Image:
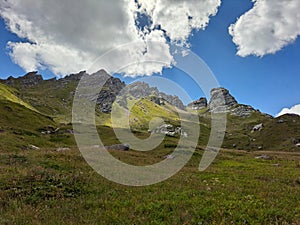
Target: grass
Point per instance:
(49, 187)
(9, 94)
(21, 127)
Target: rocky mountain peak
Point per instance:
(74, 77)
(140, 90)
(28, 80)
(198, 104)
(221, 100)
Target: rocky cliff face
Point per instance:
(140, 90)
(221, 100)
(198, 104)
(110, 90)
(29, 80)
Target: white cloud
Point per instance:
(293, 110)
(179, 17)
(267, 28)
(67, 36)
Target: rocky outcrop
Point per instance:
(109, 93)
(198, 104)
(29, 80)
(139, 90)
(111, 88)
(221, 100)
(242, 111)
(169, 130)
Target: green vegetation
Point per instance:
(9, 94)
(49, 187)
(21, 127)
(41, 185)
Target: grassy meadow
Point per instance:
(50, 187)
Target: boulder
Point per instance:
(169, 130)
(265, 157)
(33, 147)
(258, 127)
(63, 149)
(119, 147)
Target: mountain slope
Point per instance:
(8, 94)
(26, 96)
(281, 133)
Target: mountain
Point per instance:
(20, 123)
(34, 106)
(248, 128)
(140, 90)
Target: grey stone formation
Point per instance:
(29, 80)
(111, 87)
(242, 110)
(169, 130)
(258, 127)
(221, 100)
(140, 90)
(198, 104)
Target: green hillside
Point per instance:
(9, 94)
(45, 180)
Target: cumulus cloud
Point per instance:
(178, 17)
(67, 36)
(293, 110)
(267, 27)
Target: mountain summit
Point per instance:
(221, 101)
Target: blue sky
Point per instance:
(268, 83)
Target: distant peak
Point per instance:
(221, 99)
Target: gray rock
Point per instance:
(169, 130)
(33, 147)
(63, 149)
(119, 147)
(265, 157)
(221, 100)
(258, 127)
(242, 111)
(29, 80)
(198, 104)
(170, 157)
(140, 90)
(111, 87)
